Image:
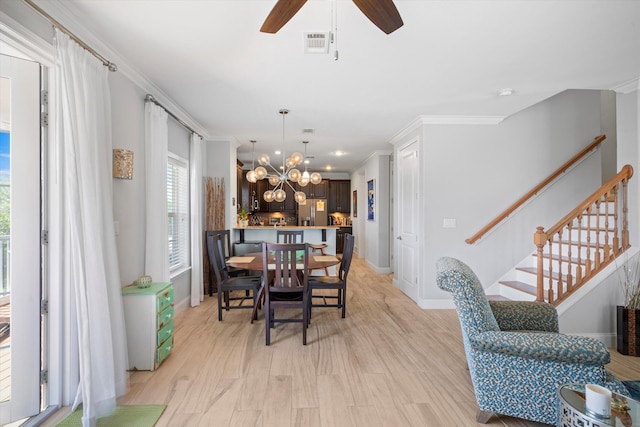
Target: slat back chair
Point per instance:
(289, 288)
(228, 252)
(290, 236)
(318, 285)
(228, 284)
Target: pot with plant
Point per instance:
(628, 315)
(243, 216)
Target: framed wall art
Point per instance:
(355, 203)
(371, 196)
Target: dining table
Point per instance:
(253, 262)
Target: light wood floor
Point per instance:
(389, 363)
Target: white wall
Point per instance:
(127, 115)
(373, 237)
(473, 172)
(221, 163)
(127, 101)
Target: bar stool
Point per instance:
(320, 248)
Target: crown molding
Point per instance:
(461, 120)
(63, 14)
(628, 86)
(22, 39)
(420, 121)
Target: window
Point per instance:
(178, 210)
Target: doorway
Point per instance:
(21, 320)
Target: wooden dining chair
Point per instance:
(289, 288)
(319, 285)
(228, 252)
(227, 284)
(290, 236)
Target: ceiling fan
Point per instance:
(382, 13)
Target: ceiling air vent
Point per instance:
(308, 130)
(316, 42)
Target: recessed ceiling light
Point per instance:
(278, 152)
(306, 161)
(328, 168)
(339, 153)
(506, 92)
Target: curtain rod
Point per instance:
(106, 62)
(150, 98)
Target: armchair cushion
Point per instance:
(525, 316)
(543, 346)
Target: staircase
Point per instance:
(574, 250)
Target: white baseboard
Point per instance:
(181, 306)
(436, 304)
(378, 270)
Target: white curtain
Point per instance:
(156, 262)
(91, 274)
(197, 229)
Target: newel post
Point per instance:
(540, 239)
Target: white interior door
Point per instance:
(408, 225)
(20, 207)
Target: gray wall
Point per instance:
(473, 172)
(373, 237)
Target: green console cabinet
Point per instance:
(148, 316)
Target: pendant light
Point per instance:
(288, 173)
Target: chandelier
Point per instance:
(287, 174)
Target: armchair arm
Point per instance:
(543, 346)
(525, 316)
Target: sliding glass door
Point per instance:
(20, 241)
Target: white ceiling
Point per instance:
(449, 59)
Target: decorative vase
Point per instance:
(628, 331)
(244, 223)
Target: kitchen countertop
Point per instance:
(289, 227)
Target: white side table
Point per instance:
(625, 412)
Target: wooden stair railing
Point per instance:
(585, 241)
(562, 169)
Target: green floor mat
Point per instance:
(122, 416)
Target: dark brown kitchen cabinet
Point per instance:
(340, 232)
(261, 187)
(315, 191)
(242, 196)
(340, 196)
(289, 203)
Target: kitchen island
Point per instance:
(249, 239)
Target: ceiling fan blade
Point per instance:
(281, 13)
(382, 13)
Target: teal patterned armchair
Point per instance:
(516, 357)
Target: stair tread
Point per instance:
(583, 244)
(554, 257)
(545, 273)
(520, 286)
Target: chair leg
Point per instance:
(219, 305)
(267, 321)
(343, 299)
(211, 283)
(483, 417)
(305, 320)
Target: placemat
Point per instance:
(241, 259)
(322, 258)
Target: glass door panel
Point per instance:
(20, 255)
